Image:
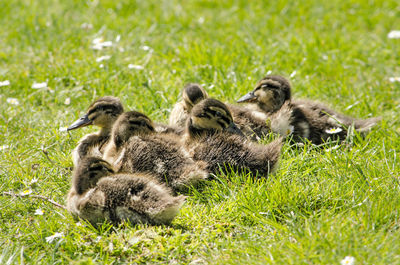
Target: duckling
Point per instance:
(211, 137)
(102, 113)
(98, 194)
(192, 93)
(136, 147)
(304, 119)
(251, 125)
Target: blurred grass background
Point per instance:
(318, 208)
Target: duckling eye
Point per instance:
(96, 168)
(219, 114)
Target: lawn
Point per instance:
(319, 207)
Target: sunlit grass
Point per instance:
(322, 204)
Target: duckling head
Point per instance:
(210, 116)
(193, 94)
(270, 93)
(129, 124)
(88, 172)
(102, 113)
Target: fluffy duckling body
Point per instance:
(252, 126)
(136, 147)
(209, 138)
(101, 113)
(98, 194)
(303, 119)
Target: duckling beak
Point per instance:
(248, 97)
(232, 128)
(81, 122)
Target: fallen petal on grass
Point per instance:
(50, 239)
(39, 85)
(135, 66)
(103, 58)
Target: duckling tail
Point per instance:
(364, 126)
(273, 153)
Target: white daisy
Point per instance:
(39, 212)
(394, 79)
(334, 130)
(5, 83)
(50, 239)
(290, 130)
(13, 101)
(394, 34)
(25, 192)
(99, 43)
(348, 260)
(67, 101)
(135, 66)
(39, 85)
(33, 181)
(4, 147)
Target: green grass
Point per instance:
(319, 207)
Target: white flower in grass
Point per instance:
(334, 130)
(63, 129)
(293, 74)
(103, 58)
(39, 85)
(118, 38)
(101, 65)
(290, 130)
(348, 260)
(86, 26)
(394, 34)
(394, 79)
(4, 147)
(39, 212)
(201, 20)
(33, 181)
(50, 239)
(269, 72)
(67, 101)
(146, 48)
(5, 83)
(13, 101)
(99, 43)
(25, 192)
(135, 66)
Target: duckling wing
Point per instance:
(221, 150)
(251, 125)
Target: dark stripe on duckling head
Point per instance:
(277, 82)
(194, 93)
(88, 172)
(129, 124)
